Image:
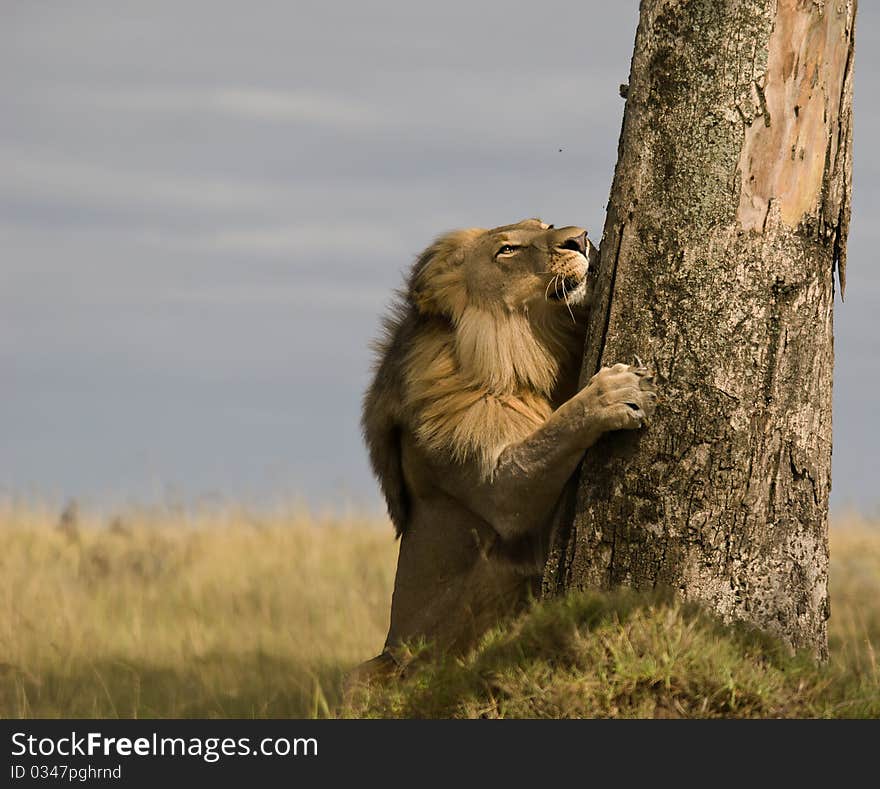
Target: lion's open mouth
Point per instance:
(570, 289)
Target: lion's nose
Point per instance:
(575, 242)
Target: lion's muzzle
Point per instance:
(569, 263)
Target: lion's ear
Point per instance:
(437, 283)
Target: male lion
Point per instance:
(474, 424)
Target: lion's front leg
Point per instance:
(529, 476)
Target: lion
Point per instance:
(474, 424)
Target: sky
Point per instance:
(205, 206)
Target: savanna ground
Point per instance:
(230, 614)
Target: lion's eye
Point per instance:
(507, 249)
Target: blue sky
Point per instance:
(204, 207)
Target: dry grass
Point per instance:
(173, 615)
(227, 614)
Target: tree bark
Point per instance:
(728, 215)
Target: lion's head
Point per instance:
(528, 268)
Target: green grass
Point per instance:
(624, 655)
(227, 614)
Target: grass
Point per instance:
(228, 614)
(174, 615)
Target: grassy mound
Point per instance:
(623, 655)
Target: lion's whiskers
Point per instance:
(565, 299)
(557, 280)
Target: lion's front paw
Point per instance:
(625, 396)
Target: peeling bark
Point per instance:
(728, 214)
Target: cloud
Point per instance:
(304, 296)
(284, 106)
(46, 173)
(260, 103)
(341, 249)
(349, 238)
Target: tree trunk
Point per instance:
(728, 214)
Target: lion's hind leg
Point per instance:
(378, 671)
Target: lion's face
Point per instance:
(527, 266)
(519, 265)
